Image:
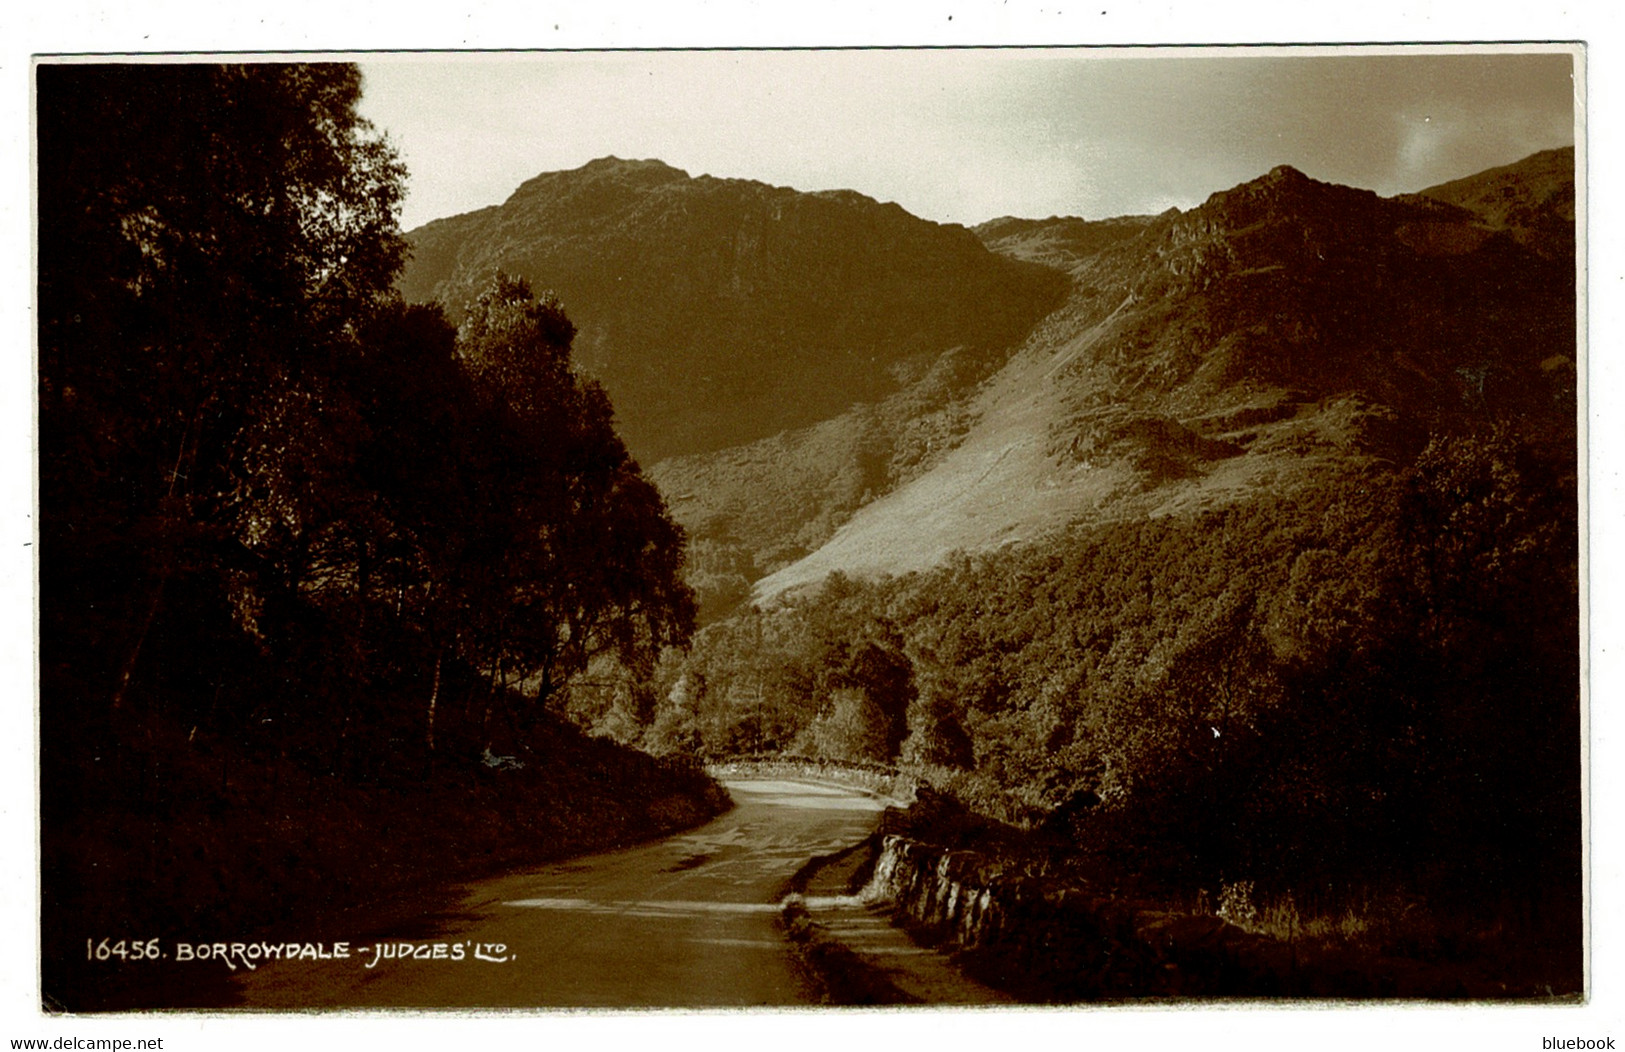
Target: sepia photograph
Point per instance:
(988, 527)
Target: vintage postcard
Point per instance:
(689, 529)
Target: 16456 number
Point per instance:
(123, 949)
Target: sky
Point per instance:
(965, 135)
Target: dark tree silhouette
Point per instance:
(209, 237)
(253, 453)
(590, 562)
(299, 541)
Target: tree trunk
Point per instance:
(134, 657)
(434, 696)
(127, 671)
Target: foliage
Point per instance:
(281, 510)
(186, 337)
(1374, 679)
(591, 562)
(254, 458)
(827, 680)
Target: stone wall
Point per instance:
(1044, 940)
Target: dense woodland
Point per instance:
(1376, 682)
(294, 532)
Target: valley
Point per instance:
(1203, 585)
(1197, 358)
(1218, 563)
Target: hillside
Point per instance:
(756, 508)
(1245, 347)
(1063, 242)
(1533, 200)
(984, 388)
(720, 311)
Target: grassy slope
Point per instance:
(1016, 476)
(1224, 352)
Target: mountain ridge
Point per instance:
(1283, 327)
(721, 311)
(1137, 366)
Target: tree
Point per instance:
(939, 736)
(1492, 560)
(589, 561)
(210, 236)
(853, 728)
(291, 529)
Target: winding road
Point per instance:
(689, 921)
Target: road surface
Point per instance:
(685, 922)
